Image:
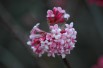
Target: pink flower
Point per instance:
(99, 63)
(57, 42)
(57, 15)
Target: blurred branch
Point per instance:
(6, 20)
(98, 21)
(9, 28)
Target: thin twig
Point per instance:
(66, 63)
(9, 28)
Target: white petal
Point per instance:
(32, 36)
(57, 36)
(66, 16)
(29, 42)
(40, 55)
(52, 15)
(56, 26)
(53, 35)
(59, 30)
(71, 24)
(59, 8)
(74, 36)
(62, 11)
(53, 31)
(49, 43)
(69, 35)
(70, 31)
(67, 25)
(41, 42)
(46, 41)
(53, 55)
(75, 32)
(72, 44)
(62, 50)
(62, 41)
(36, 25)
(34, 49)
(65, 34)
(46, 47)
(63, 55)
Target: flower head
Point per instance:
(57, 15)
(57, 42)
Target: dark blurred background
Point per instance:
(17, 17)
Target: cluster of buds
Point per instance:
(57, 15)
(56, 42)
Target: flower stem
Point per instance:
(66, 63)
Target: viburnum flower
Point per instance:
(99, 63)
(57, 15)
(59, 41)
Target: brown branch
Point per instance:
(66, 63)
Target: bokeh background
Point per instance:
(17, 17)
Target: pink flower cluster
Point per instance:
(57, 15)
(99, 63)
(58, 41)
